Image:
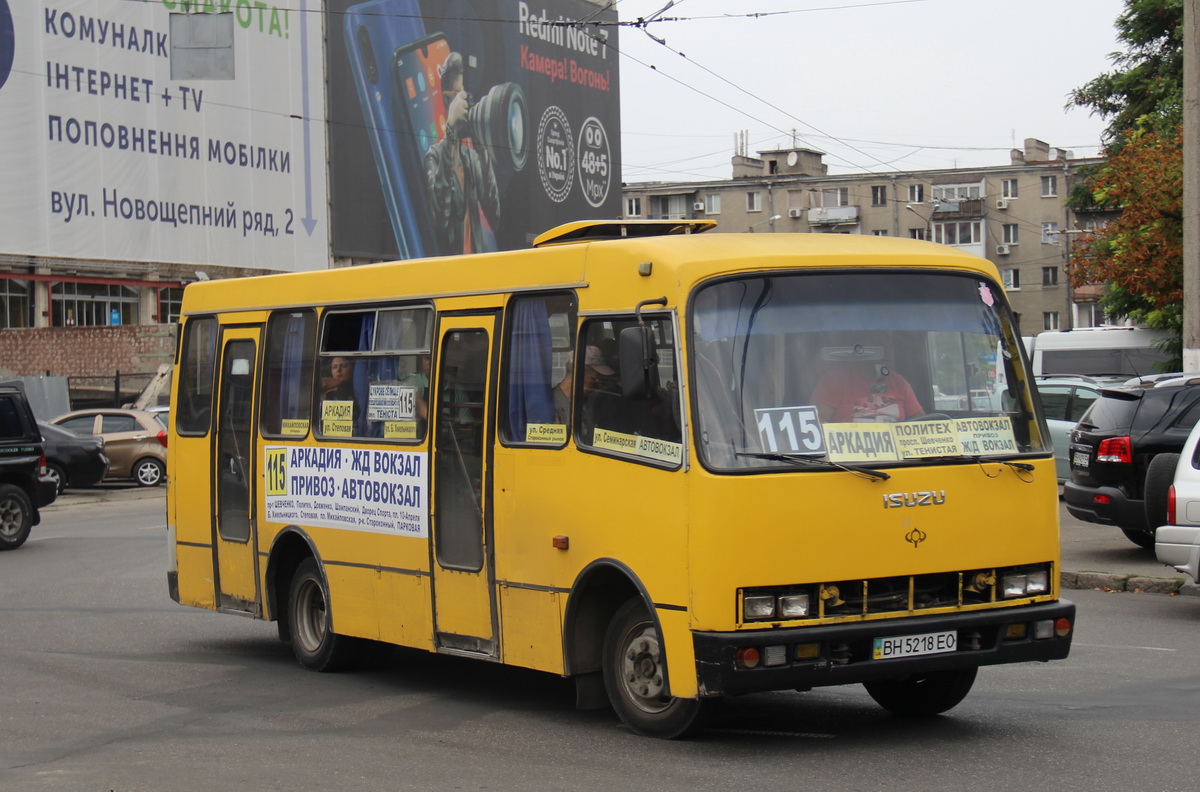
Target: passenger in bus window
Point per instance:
(562, 396)
(339, 385)
(861, 386)
(602, 401)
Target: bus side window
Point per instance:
(194, 409)
(373, 375)
(539, 355)
(610, 421)
(288, 373)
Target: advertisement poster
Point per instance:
(465, 126)
(189, 131)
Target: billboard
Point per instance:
(183, 131)
(462, 126)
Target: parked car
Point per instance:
(24, 486)
(1177, 541)
(1064, 401)
(1117, 475)
(73, 460)
(134, 441)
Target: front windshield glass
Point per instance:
(870, 368)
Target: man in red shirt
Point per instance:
(862, 388)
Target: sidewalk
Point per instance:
(1100, 557)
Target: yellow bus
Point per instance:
(674, 466)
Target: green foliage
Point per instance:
(1146, 87)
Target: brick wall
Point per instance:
(86, 351)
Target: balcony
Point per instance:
(958, 210)
(833, 215)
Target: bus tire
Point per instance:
(634, 676)
(314, 643)
(923, 695)
(16, 516)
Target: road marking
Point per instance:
(1109, 646)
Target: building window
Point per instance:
(1012, 278)
(1049, 233)
(753, 202)
(712, 203)
(879, 195)
(916, 193)
(880, 233)
(633, 207)
(93, 305)
(836, 196)
(1011, 233)
(1008, 188)
(1050, 320)
(169, 303)
(1049, 276)
(1088, 315)
(917, 233)
(1049, 186)
(961, 233)
(14, 303)
(957, 192)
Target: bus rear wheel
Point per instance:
(923, 695)
(635, 678)
(314, 643)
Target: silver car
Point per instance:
(1064, 400)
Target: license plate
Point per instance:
(1080, 459)
(913, 645)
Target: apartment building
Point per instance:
(1014, 215)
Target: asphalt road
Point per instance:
(108, 685)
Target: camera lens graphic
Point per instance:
(7, 42)
(500, 121)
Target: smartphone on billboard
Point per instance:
(420, 113)
(374, 31)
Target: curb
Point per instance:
(1137, 584)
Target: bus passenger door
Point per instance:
(464, 602)
(235, 559)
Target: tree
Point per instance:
(1146, 89)
(1140, 255)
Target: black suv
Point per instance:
(1123, 454)
(24, 485)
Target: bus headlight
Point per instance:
(1027, 582)
(759, 607)
(793, 606)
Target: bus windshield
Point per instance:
(879, 367)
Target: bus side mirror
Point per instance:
(638, 357)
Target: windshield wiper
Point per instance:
(1020, 467)
(795, 459)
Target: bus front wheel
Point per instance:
(923, 695)
(635, 677)
(316, 646)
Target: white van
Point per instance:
(1097, 352)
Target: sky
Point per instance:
(882, 86)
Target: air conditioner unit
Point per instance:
(795, 212)
(1002, 250)
(1002, 204)
(698, 206)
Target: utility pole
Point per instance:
(1191, 186)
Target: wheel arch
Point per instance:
(289, 548)
(599, 590)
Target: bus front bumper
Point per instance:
(844, 653)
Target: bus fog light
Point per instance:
(808, 651)
(1013, 586)
(774, 655)
(1014, 632)
(1037, 583)
(759, 607)
(793, 606)
(1043, 629)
